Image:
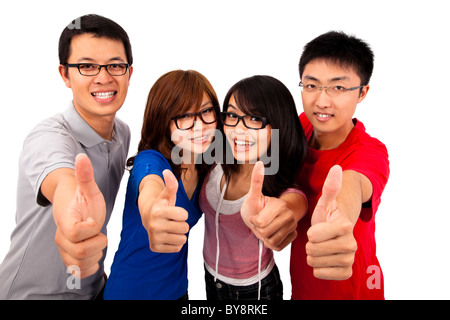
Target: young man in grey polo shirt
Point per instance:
(64, 198)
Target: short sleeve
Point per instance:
(44, 151)
(147, 162)
(371, 160)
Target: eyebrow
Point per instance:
(93, 60)
(335, 79)
(206, 103)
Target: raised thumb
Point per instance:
(327, 202)
(170, 191)
(257, 181)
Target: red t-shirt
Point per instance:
(368, 156)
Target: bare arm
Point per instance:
(79, 212)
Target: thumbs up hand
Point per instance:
(78, 236)
(327, 204)
(269, 218)
(165, 223)
(331, 247)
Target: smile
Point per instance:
(323, 116)
(242, 145)
(104, 95)
(201, 139)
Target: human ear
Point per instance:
(63, 71)
(363, 93)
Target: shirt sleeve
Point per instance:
(371, 160)
(147, 162)
(43, 152)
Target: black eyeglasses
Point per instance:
(231, 119)
(186, 121)
(92, 69)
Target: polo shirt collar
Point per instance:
(82, 131)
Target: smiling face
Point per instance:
(331, 116)
(247, 145)
(99, 96)
(197, 139)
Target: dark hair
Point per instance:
(342, 49)
(172, 94)
(268, 97)
(100, 27)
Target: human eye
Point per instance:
(254, 122)
(310, 86)
(185, 116)
(255, 118)
(208, 111)
(231, 115)
(339, 88)
(116, 66)
(88, 67)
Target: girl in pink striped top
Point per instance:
(249, 213)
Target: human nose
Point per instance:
(240, 126)
(198, 123)
(323, 99)
(103, 76)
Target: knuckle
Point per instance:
(310, 261)
(347, 227)
(347, 273)
(347, 260)
(310, 249)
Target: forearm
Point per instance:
(59, 188)
(356, 189)
(149, 190)
(296, 202)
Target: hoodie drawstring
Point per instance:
(260, 243)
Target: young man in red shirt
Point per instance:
(334, 254)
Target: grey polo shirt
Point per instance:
(33, 268)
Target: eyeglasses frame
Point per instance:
(195, 114)
(241, 118)
(100, 66)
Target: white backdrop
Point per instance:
(407, 106)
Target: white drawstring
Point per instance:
(259, 268)
(219, 205)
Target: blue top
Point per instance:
(137, 272)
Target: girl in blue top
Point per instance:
(183, 111)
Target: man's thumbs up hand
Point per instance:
(327, 203)
(78, 236)
(331, 247)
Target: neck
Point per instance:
(103, 125)
(244, 174)
(329, 140)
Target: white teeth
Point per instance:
(199, 138)
(320, 115)
(104, 95)
(243, 143)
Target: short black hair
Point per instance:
(269, 97)
(342, 49)
(100, 27)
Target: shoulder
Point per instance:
(122, 128)
(151, 156)
(50, 138)
(364, 143)
(149, 162)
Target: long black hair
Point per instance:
(268, 97)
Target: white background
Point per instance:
(407, 106)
